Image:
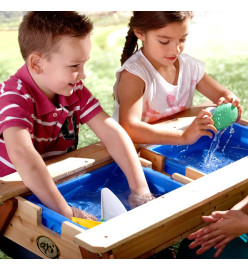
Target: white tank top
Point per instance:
(162, 99)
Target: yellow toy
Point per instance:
(86, 222)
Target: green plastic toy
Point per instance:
(224, 115)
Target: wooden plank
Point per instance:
(181, 178)
(177, 228)
(7, 210)
(220, 186)
(59, 168)
(90, 255)
(69, 230)
(25, 228)
(145, 163)
(156, 159)
(193, 173)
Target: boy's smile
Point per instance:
(59, 73)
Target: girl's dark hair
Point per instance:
(40, 31)
(149, 20)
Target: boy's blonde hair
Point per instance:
(40, 31)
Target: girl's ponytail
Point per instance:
(131, 46)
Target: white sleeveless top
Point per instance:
(162, 99)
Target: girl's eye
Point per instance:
(74, 66)
(182, 40)
(164, 43)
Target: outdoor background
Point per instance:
(218, 38)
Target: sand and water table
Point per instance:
(180, 202)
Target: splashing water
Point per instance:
(231, 133)
(215, 145)
(207, 155)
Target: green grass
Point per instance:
(233, 74)
(3, 255)
(10, 58)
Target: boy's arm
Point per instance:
(32, 169)
(121, 148)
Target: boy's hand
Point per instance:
(235, 102)
(199, 127)
(136, 200)
(82, 214)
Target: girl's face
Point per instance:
(65, 67)
(163, 46)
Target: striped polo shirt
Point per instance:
(54, 130)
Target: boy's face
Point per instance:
(65, 67)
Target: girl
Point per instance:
(157, 80)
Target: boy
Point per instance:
(42, 105)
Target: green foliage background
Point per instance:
(108, 37)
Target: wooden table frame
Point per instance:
(139, 233)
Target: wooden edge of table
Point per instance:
(187, 199)
(60, 168)
(181, 178)
(26, 227)
(7, 210)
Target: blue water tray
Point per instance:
(84, 192)
(230, 145)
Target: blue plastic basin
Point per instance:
(84, 192)
(232, 147)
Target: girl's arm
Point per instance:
(217, 93)
(33, 171)
(130, 98)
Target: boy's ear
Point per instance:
(35, 62)
(139, 34)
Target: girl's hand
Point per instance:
(199, 127)
(224, 227)
(235, 102)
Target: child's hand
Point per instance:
(235, 102)
(199, 127)
(82, 214)
(224, 227)
(136, 200)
